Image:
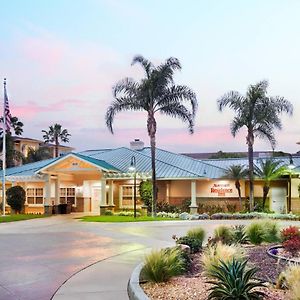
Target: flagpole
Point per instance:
(4, 153)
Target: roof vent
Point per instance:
(137, 145)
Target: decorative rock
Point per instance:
(184, 216)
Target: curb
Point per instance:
(135, 292)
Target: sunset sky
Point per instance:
(62, 57)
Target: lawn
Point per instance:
(20, 217)
(123, 219)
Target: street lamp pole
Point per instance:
(133, 168)
(291, 166)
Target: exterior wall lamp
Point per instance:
(132, 168)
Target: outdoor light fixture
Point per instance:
(132, 168)
(291, 164)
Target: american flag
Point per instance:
(6, 110)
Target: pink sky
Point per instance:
(53, 77)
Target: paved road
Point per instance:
(39, 256)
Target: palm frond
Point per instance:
(119, 105)
(233, 100)
(127, 87)
(147, 65)
(179, 111)
(178, 94)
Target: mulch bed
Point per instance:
(193, 286)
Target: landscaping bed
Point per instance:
(194, 286)
(235, 258)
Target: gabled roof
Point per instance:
(168, 165)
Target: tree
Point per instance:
(154, 93)
(56, 134)
(237, 172)
(259, 114)
(145, 190)
(269, 170)
(221, 154)
(12, 155)
(16, 198)
(37, 155)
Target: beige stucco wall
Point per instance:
(206, 188)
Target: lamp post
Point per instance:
(133, 169)
(291, 166)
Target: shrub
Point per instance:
(185, 205)
(263, 231)
(145, 190)
(166, 207)
(16, 198)
(214, 254)
(239, 235)
(160, 266)
(223, 234)
(271, 231)
(127, 213)
(292, 245)
(194, 243)
(290, 279)
(197, 233)
(289, 232)
(234, 281)
(231, 207)
(108, 213)
(209, 209)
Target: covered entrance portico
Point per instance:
(73, 184)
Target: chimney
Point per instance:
(137, 145)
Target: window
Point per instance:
(127, 195)
(35, 196)
(67, 196)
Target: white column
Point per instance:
(111, 193)
(193, 206)
(48, 190)
(103, 192)
(57, 191)
(25, 188)
(168, 192)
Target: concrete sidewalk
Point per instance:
(104, 280)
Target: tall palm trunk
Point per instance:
(238, 187)
(250, 141)
(265, 194)
(56, 146)
(151, 125)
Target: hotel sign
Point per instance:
(221, 189)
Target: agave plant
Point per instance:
(233, 281)
(239, 234)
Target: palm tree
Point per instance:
(156, 92)
(269, 170)
(12, 155)
(259, 114)
(236, 172)
(56, 134)
(37, 154)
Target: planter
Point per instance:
(279, 257)
(135, 292)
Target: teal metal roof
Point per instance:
(100, 163)
(225, 163)
(168, 165)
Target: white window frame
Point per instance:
(128, 197)
(35, 196)
(66, 194)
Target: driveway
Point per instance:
(39, 256)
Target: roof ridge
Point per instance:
(191, 158)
